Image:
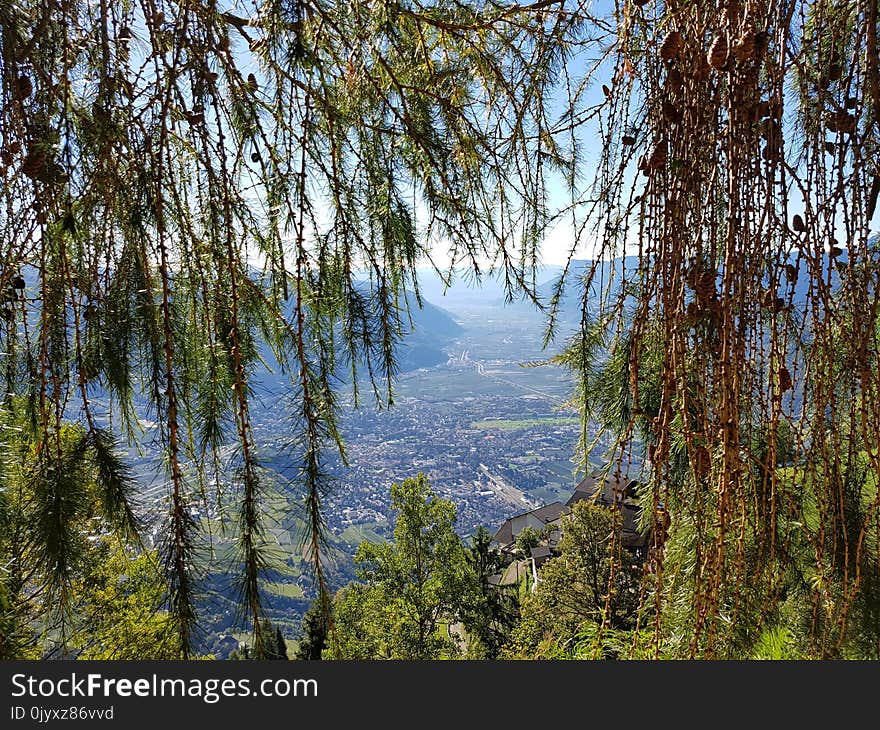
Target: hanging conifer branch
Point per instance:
(183, 186)
(747, 335)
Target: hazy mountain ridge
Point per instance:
(433, 328)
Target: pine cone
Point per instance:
(784, 379)
(34, 163)
(702, 69)
(658, 156)
(23, 87)
(671, 112)
(704, 285)
(762, 109)
(841, 122)
(674, 80)
(671, 46)
(702, 460)
(718, 53)
(745, 48)
(771, 152)
(761, 42)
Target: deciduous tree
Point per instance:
(411, 586)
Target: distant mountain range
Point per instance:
(612, 272)
(463, 290)
(428, 330)
(603, 273)
(432, 329)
